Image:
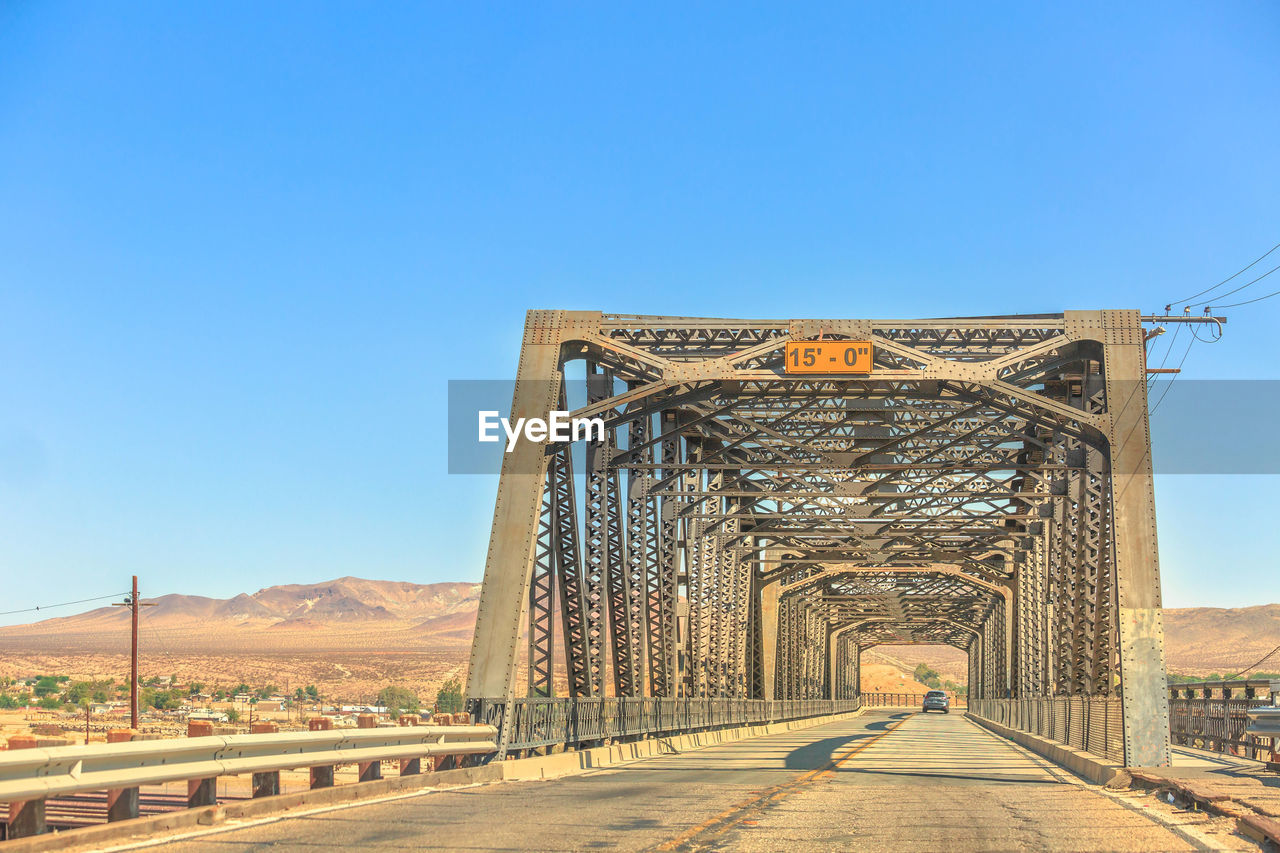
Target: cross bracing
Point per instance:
(746, 532)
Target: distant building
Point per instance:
(242, 698)
(211, 716)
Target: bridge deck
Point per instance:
(889, 779)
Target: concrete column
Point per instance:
(410, 766)
(122, 803)
(201, 792)
(26, 818)
(265, 784)
(322, 775)
(370, 771)
(441, 762)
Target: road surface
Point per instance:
(887, 780)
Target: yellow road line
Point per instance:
(732, 816)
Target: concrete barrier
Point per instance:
(567, 763)
(1084, 764)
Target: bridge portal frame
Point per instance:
(629, 571)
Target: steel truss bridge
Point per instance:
(743, 533)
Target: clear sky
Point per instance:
(243, 247)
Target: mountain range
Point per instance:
(331, 615)
(364, 615)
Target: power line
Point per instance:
(1212, 339)
(1169, 349)
(1225, 280)
(63, 604)
(1251, 301)
(1187, 352)
(1237, 290)
(1255, 666)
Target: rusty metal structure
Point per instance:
(746, 533)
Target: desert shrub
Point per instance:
(398, 699)
(449, 697)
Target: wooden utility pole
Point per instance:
(133, 604)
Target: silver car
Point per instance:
(936, 700)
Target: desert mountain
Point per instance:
(344, 613)
(355, 614)
(1201, 640)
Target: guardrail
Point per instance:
(1264, 727)
(1091, 723)
(543, 722)
(904, 700)
(28, 777)
(1214, 715)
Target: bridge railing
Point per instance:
(903, 700)
(1213, 715)
(1090, 723)
(542, 722)
(30, 776)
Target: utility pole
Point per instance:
(133, 604)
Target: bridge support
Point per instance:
(769, 639)
(1143, 686)
(515, 519)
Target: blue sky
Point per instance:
(244, 247)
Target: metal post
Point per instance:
(133, 655)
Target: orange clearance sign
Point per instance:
(828, 357)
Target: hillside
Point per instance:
(353, 635)
(344, 614)
(1201, 640)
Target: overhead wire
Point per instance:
(1167, 351)
(1236, 290)
(1251, 301)
(62, 604)
(1165, 393)
(1261, 661)
(1227, 279)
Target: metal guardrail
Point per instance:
(541, 722)
(1090, 723)
(27, 774)
(1214, 715)
(30, 776)
(1264, 727)
(892, 700)
(904, 700)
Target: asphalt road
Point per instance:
(887, 780)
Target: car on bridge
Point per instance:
(936, 700)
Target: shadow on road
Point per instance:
(881, 725)
(818, 753)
